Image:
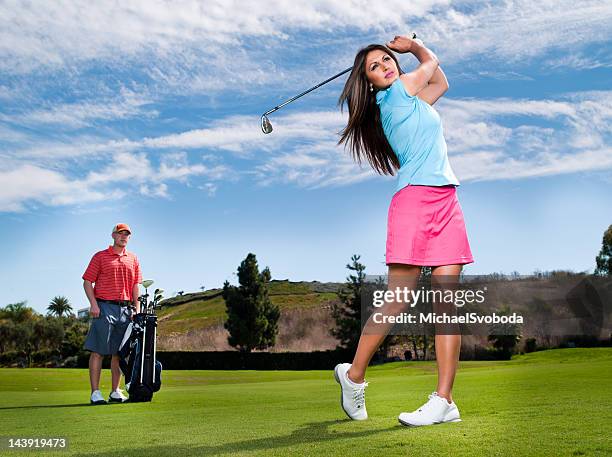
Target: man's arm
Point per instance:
(135, 294)
(94, 310)
(135, 289)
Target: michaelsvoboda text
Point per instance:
(433, 318)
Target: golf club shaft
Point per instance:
(305, 92)
(266, 126)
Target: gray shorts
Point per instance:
(106, 331)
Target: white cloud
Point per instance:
(10, 135)
(78, 146)
(314, 165)
(237, 134)
(483, 166)
(61, 33)
(28, 183)
(210, 188)
(512, 31)
(487, 139)
(6, 93)
(83, 114)
(580, 62)
(160, 190)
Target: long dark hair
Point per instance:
(364, 134)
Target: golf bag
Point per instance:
(137, 358)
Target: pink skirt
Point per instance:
(426, 227)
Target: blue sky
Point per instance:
(148, 113)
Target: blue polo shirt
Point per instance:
(414, 131)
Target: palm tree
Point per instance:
(59, 306)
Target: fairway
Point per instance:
(554, 402)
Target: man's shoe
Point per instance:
(352, 396)
(436, 411)
(97, 398)
(117, 396)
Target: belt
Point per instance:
(116, 302)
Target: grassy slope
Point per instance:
(553, 403)
(201, 311)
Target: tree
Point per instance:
(347, 314)
(252, 319)
(74, 338)
(7, 334)
(17, 312)
(59, 306)
(542, 313)
(47, 333)
(505, 336)
(24, 335)
(604, 259)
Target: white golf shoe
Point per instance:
(116, 396)
(97, 398)
(437, 410)
(352, 396)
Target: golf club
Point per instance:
(266, 125)
(157, 297)
(144, 299)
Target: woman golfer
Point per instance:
(393, 125)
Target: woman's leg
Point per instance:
(399, 276)
(447, 345)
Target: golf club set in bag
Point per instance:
(266, 125)
(137, 352)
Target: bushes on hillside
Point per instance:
(28, 338)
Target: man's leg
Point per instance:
(115, 372)
(95, 368)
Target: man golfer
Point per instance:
(116, 275)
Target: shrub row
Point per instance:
(234, 360)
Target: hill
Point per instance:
(194, 321)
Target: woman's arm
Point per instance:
(418, 79)
(438, 85)
(438, 77)
(428, 81)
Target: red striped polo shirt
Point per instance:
(114, 275)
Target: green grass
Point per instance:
(551, 403)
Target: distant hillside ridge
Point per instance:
(277, 287)
(194, 321)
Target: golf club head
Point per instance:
(266, 126)
(157, 298)
(147, 283)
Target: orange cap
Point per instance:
(119, 227)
